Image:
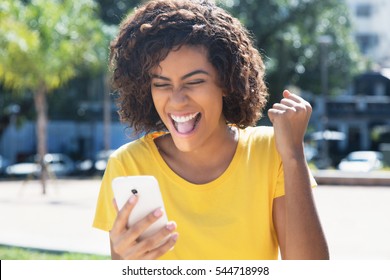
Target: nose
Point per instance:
(179, 96)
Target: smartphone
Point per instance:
(149, 199)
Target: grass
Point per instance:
(386, 168)
(19, 253)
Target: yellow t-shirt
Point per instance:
(228, 218)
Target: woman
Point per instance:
(189, 77)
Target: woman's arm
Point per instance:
(295, 217)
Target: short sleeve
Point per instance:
(105, 213)
(279, 190)
(313, 182)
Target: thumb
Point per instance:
(273, 114)
(286, 93)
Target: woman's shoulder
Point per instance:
(259, 139)
(260, 143)
(258, 134)
(139, 145)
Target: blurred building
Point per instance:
(371, 21)
(362, 114)
(76, 122)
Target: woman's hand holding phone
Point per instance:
(125, 241)
(141, 229)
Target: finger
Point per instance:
(286, 93)
(283, 107)
(115, 205)
(161, 250)
(157, 239)
(128, 239)
(297, 107)
(123, 215)
(138, 250)
(273, 113)
(289, 102)
(154, 241)
(293, 96)
(300, 103)
(138, 228)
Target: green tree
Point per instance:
(288, 33)
(43, 44)
(112, 12)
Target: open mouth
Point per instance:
(186, 124)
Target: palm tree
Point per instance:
(43, 44)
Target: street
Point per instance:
(355, 219)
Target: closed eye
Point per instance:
(195, 82)
(161, 85)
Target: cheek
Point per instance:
(214, 107)
(157, 101)
(217, 100)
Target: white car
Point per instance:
(362, 161)
(101, 160)
(58, 164)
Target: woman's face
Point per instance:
(188, 99)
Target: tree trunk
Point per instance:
(106, 113)
(41, 133)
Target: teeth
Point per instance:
(181, 119)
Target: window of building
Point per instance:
(367, 41)
(364, 10)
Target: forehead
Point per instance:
(183, 60)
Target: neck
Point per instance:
(225, 141)
(204, 164)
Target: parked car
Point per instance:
(58, 164)
(362, 161)
(101, 160)
(85, 167)
(3, 164)
(310, 152)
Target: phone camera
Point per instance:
(134, 191)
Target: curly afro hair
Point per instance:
(148, 34)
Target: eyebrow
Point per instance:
(184, 77)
